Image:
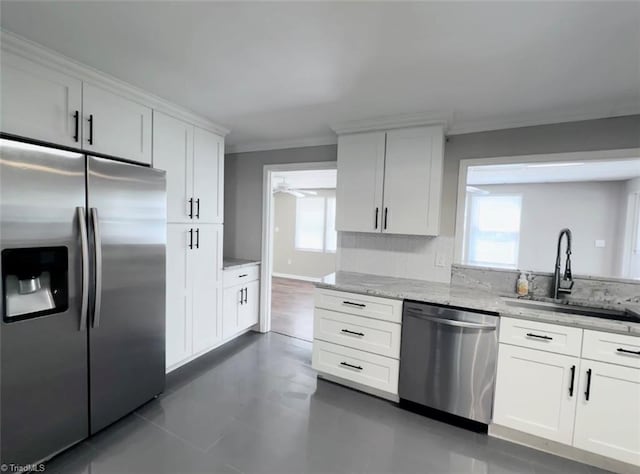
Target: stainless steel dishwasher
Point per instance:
(448, 359)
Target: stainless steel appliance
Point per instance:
(82, 247)
(448, 360)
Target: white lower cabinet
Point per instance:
(194, 291)
(608, 419)
(592, 405)
(356, 338)
(536, 392)
(241, 300)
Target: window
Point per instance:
(315, 224)
(493, 230)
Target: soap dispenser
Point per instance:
(522, 287)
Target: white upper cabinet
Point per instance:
(390, 182)
(208, 176)
(360, 182)
(608, 414)
(115, 126)
(173, 152)
(40, 103)
(413, 181)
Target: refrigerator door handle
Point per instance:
(84, 250)
(97, 243)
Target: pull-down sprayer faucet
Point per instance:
(564, 284)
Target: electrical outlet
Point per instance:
(441, 259)
(600, 244)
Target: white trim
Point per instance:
(492, 125)
(393, 121)
(282, 144)
(626, 153)
(266, 267)
(193, 357)
(296, 277)
(44, 56)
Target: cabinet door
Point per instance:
(208, 176)
(360, 181)
(206, 265)
(231, 311)
(115, 126)
(413, 181)
(250, 307)
(38, 102)
(178, 294)
(608, 423)
(533, 392)
(173, 152)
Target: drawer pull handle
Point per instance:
(537, 336)
(243, 275)
(357, 367)
(573, 378)
(588, 390)
(352, 332)
(627, 351)
(359, 305)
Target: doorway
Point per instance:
(299, 244)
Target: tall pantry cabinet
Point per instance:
(194, 161)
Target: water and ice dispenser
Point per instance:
(35, 282)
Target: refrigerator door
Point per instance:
(127, 214)
(43, 337)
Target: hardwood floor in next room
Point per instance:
(292, 307)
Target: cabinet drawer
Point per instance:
(239, 276)
(357, 366)
(360, 305)
(371, 335)
(543, 336)
(614, 348)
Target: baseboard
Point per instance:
(361, 388)
(205, 351)
(296, 277)
(562, 450)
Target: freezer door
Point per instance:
(127, 213)
(43, 361)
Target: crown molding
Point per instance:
(20, 46)
(393, 121)
(479, 126)
(281, 144)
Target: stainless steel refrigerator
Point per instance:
(82, 337)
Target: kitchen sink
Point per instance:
(595, 312)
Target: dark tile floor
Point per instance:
(255, 406)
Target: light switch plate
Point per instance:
(600, 244)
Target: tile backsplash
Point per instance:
(416, 257)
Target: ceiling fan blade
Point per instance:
(297, 194)
(311, 193)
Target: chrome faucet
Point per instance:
(564, 284)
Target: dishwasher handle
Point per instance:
(453, 322)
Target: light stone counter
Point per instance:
(228, 262)
(465, 297)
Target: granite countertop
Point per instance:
(465, 297)
(229, 262)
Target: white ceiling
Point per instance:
(554, 172)
(307, 179)
(278, 74)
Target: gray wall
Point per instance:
(243, 183)
(243, 194)
(593, 210)
(286, 258)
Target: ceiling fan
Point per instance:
(286, 188)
